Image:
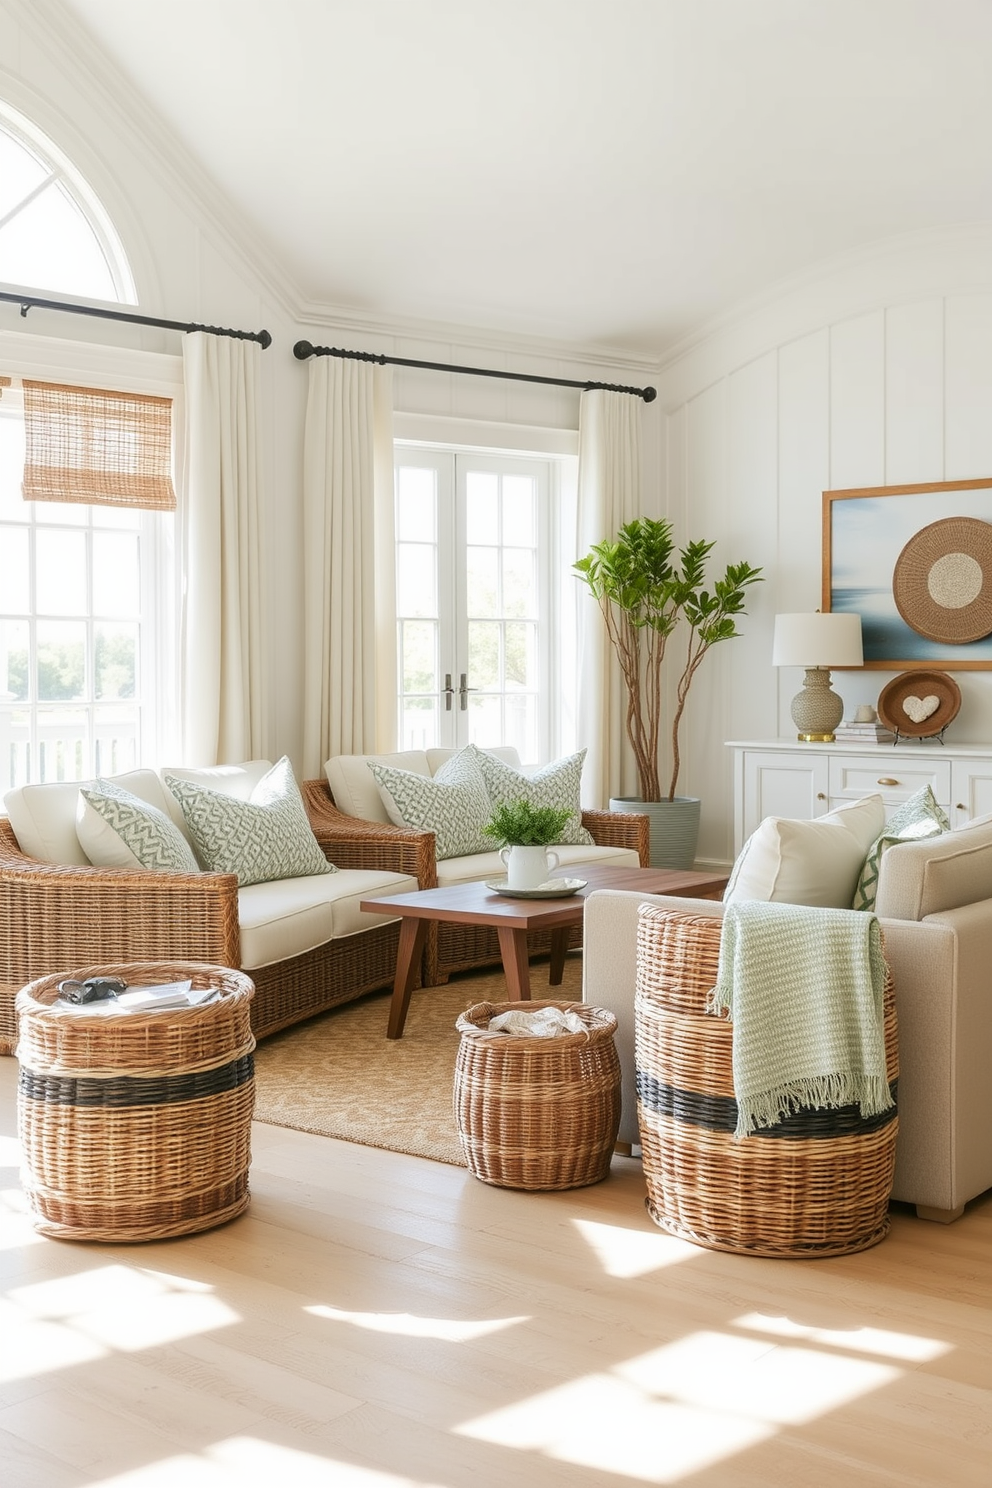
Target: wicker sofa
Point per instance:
(934, 904)
(348, 801)
(304, 942)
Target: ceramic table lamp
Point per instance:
(817, 642)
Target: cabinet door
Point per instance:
(781, 784)
(971, 790)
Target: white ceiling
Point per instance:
(610, 172)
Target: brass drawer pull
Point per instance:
(886, 780)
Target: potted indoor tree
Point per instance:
(647, 591)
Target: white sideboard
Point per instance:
(781, 777)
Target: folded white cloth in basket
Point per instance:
(547, 1022)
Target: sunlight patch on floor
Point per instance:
(682, 1407)
(406, 1325)
(125, 1307)
(626, 1253)
(247, 1462)
(907, 1346)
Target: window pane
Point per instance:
(12, 503)
(115, 660)
(50, 245)
(519, 581)
(485, 721)
(60, 513)
(519, 511)
(481, 507)
(482, 581)
(115, 741)
(116, 574)
(521, 656)
(416, 505)
(62, 743)
(418, 725)
(15, 746)
(419, 656)
(15, 586)
(416, 579)
(20, 173)
(521, 725)
(61, 576)
(61, 660)
(14, 680)
(483, 654)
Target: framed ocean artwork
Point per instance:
(915, 562)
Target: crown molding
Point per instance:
(391, 329)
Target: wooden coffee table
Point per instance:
(513, 919)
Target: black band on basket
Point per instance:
(123, 1091)
(718, 1113)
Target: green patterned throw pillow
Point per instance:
(557, 785)
(262, 839)
(453, 804)
(920, 816)
(119, 830)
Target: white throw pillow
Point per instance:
(556, 785)
(453, 804)
(118, 830)
(807, 862)
(265, 838)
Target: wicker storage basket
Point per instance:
(136, 1126)
(818, 1184)
(537, 1113)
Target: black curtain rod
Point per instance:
(29, 302)
(303, 350)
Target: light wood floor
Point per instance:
(377, 1321)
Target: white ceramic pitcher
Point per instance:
(528, 867)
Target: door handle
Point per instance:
(448, 691)
(464, 690)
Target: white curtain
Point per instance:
(225, 717)
(609, 495)
(349, 627)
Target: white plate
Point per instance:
(555, 888)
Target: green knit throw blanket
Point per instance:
(803, 988)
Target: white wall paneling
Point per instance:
(914, 392)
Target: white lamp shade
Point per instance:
(817, 640)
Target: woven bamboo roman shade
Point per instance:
(98, 447)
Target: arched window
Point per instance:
(54, 234)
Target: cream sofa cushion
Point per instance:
(355, 791)
(291, 916)
(44, 816)
(917, 879)
(807, 862)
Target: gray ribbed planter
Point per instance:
(674, 828)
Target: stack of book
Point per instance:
(863, 733)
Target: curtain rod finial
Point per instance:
(302, 350)
(649, 394)
(264, 340)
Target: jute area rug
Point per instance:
(339, 1076)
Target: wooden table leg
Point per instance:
(516, 964)
(559, 945)
(413, 933)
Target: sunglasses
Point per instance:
(94, 989)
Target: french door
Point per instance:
(473, 600)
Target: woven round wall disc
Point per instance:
(942, 581)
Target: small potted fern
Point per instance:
(524, 832)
